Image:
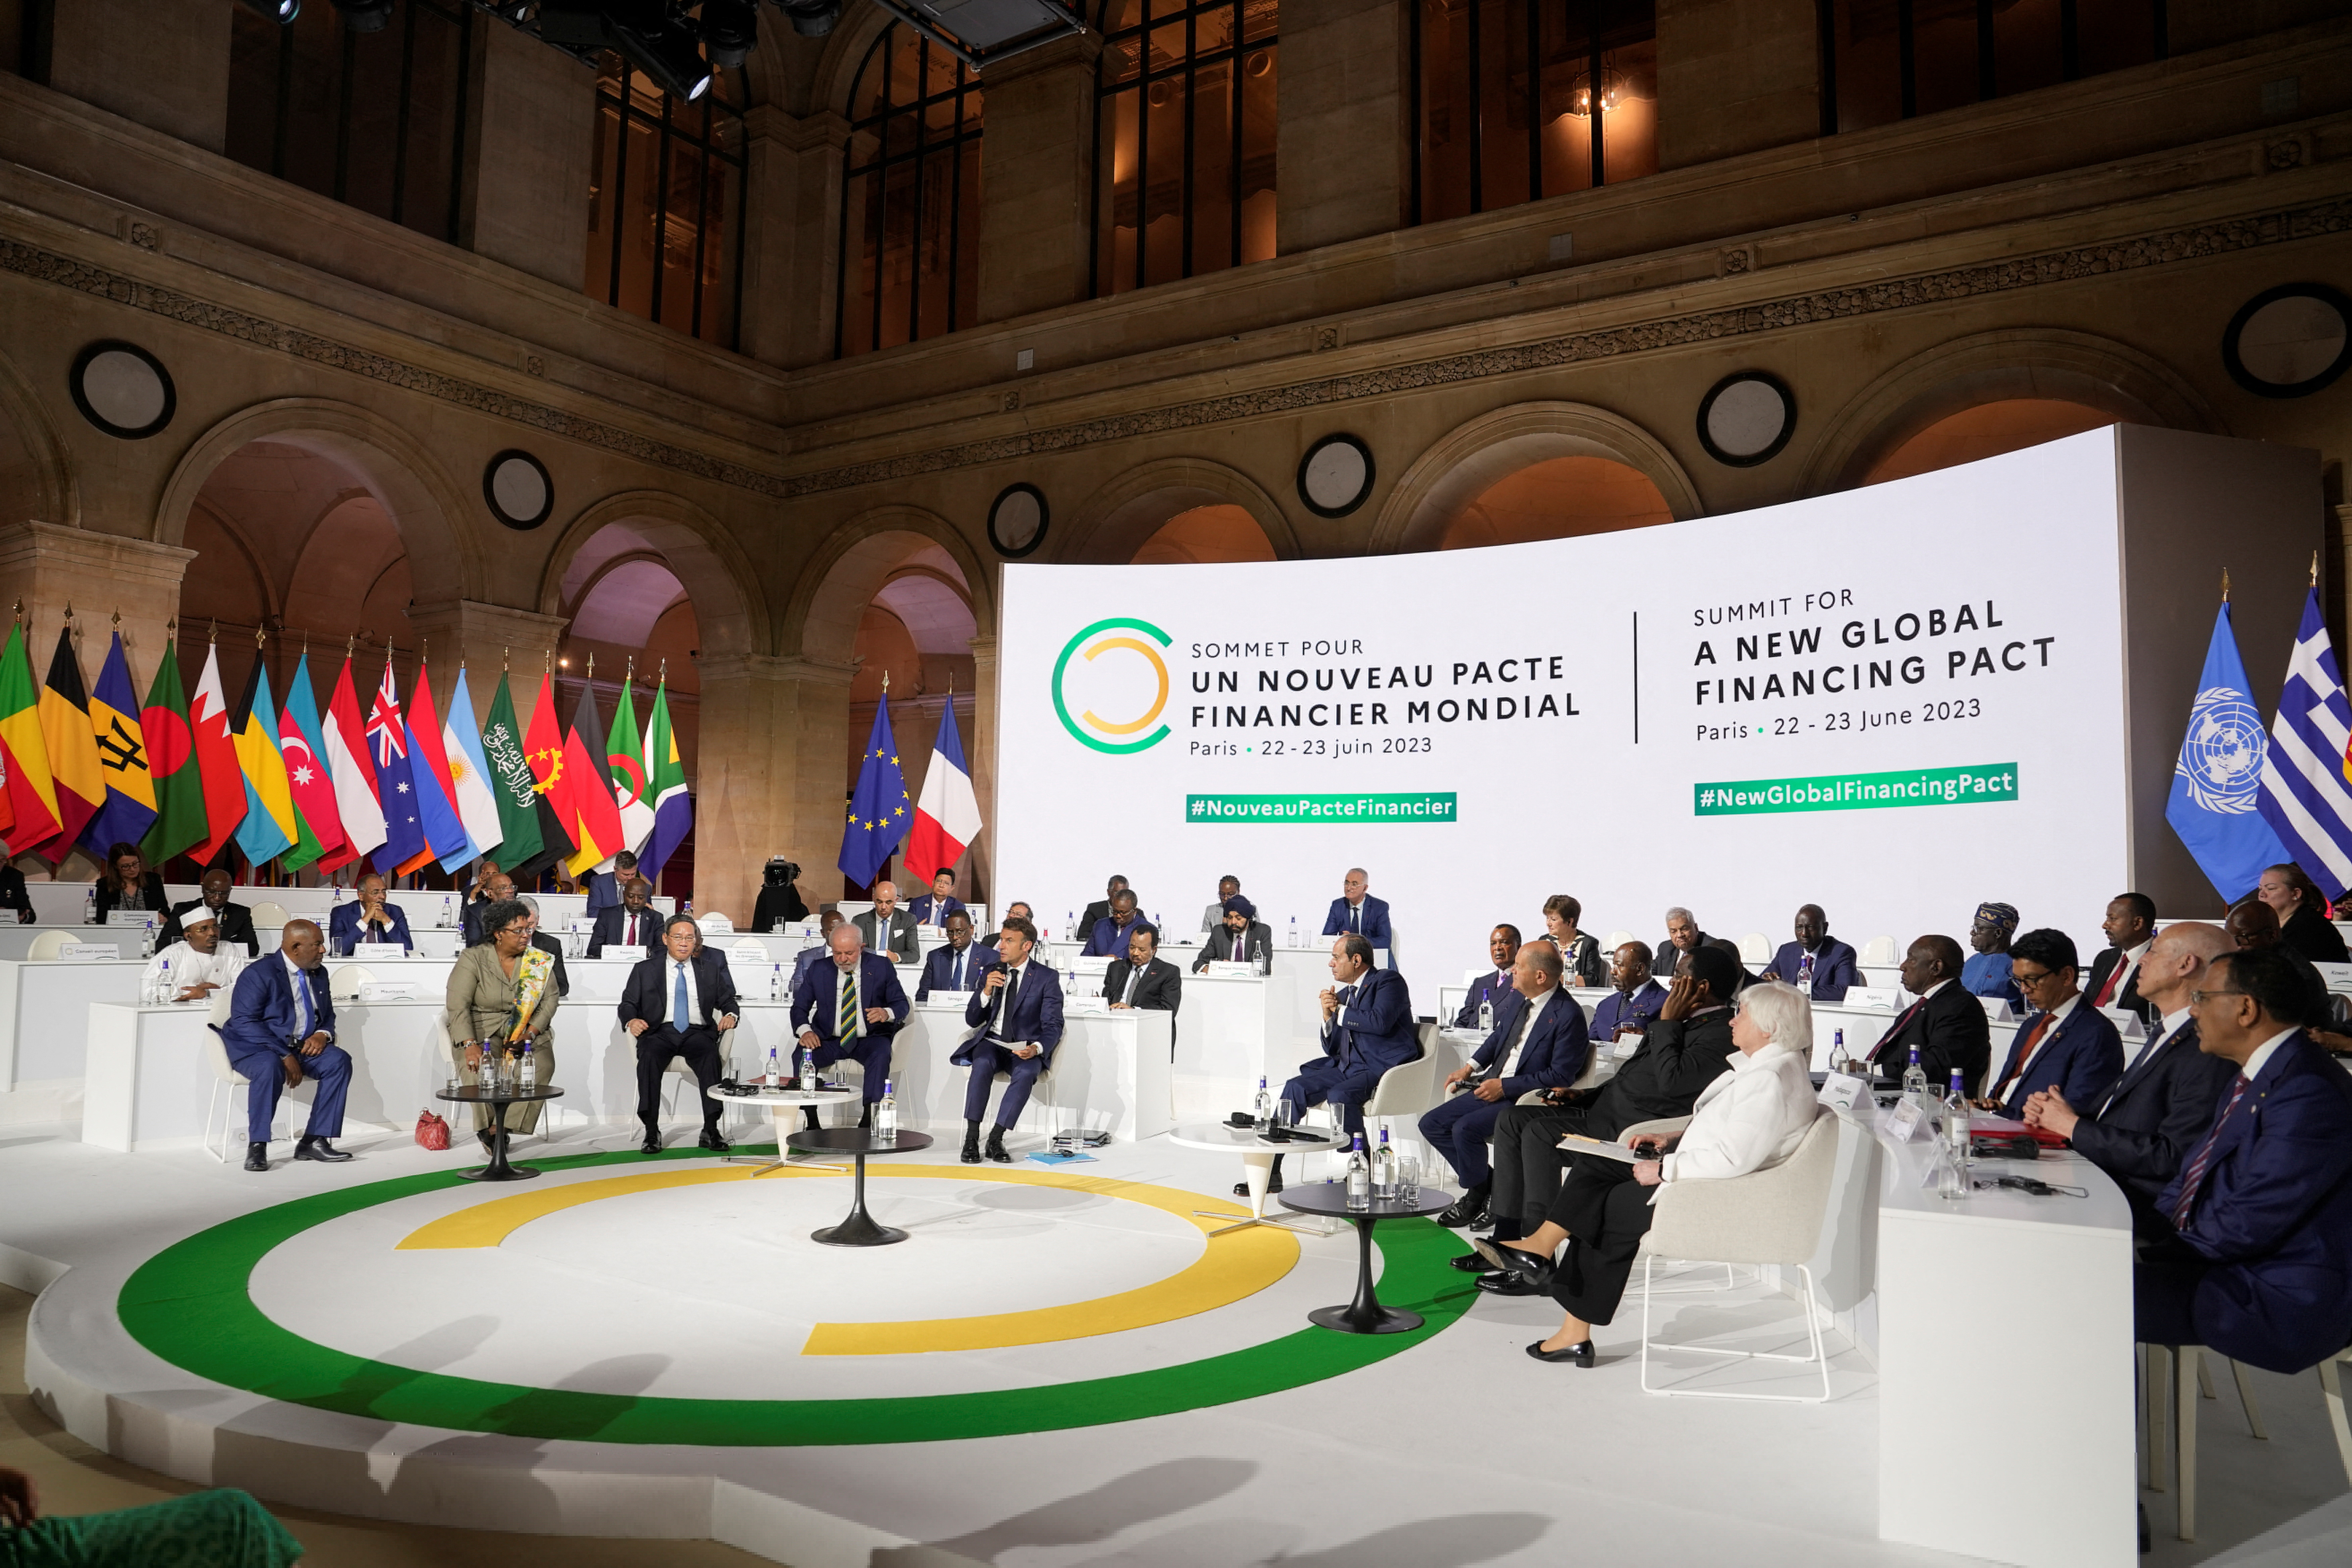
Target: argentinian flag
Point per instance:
(2217, 782)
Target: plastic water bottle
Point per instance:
(529, 1077)
(1384, 1169)
(1953, 1182)
(147, 940)
(1838, 1060)
(886, 1114)
(1294, 931)
(90, 906)
(808, 1067)
(775, 1073)
(448, 914)
(775, 983)
(162, 988)
(1914, 1077)
(1360, 1176)
(1262, 1108)
(1485, 1026)
(487, 1077)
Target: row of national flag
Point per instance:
(2243, 801)
(304, 785)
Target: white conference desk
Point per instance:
(44, 1026)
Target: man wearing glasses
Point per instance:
(2067, 1044)
(2261, 1209)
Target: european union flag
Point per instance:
(879, 812)
(2217, 783)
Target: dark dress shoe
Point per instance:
(487, 1137)
(1468, 1210)
(1536, 1271)
(320, 1149)
(256, 1156)
(1273, 1185)
(1577, 1354)
(971, 1150)
(1505, 1284)
(1470, 1263)
(996, 1150)
(712, 1142)
(652, 1145)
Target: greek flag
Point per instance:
(2305, 794)
(2218, 780)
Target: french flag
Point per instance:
(948, 816)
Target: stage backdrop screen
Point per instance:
(1894, 701)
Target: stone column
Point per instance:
(525, 201)
(487, 637)
(792, 191)
(1036, 179)
(1736, 76)
(163, 67)
(46, 568)
(768, 780)
(1342, 116)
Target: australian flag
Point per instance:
(879, 811)
(403, 835)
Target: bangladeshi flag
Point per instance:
(180, 823)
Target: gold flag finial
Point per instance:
(2225, 584)
(664, 670)
(69, 609)
(547, 661)
(592, 664)
(2315, 568)
(171, 626)
(118, 617)
(886, 683)
(350, 643)
(631, 673)
(506, 659)
(260, 634)
(212, 633)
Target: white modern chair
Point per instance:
(1756, 948)
(680, 1073)
(226, 1076)
(1773, 1216)
(1616, 939)
(748, 947)
(343, 981)
(1879, 951)
(49, 943)
(2190, 1367)
(270, 912)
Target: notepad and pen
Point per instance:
(1578, 1144)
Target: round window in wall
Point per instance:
(2289, 342)
(1746, 419)
(122, 389)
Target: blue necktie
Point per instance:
(302, 1005)
(677, 1003)
(955, 974)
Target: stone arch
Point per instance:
(1112, 523)
(854, 564)
(448, 558)
(2039, 363)
(1467, 460)
(706, 560)
(842, 57)
(37, 476)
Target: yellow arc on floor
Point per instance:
(1238, 1264)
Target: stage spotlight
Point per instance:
(811, 18)
(365, 16)
(662, 47)
(730, 28)
(278, 11)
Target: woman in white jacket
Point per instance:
(1751, 1117)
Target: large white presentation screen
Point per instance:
(1896, 702)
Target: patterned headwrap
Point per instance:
(2001, 918)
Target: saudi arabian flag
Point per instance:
(512, 786)
(665, 787)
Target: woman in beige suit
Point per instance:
(492, 989)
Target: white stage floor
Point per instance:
(636, 1347)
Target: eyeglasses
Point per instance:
(514, 931)
(2196, 998)
(2031, 980)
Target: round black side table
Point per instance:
(497, 1100)
(858, 1229)
(1364, 1315)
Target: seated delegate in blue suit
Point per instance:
(958, 964)
(604, 887)
(2066, 1044)
(373, 919)
(1108, 937)
(934, 907)
(1986, 974)
(1491, 988)
(2263, 1206)
(1633, 1003)
(1816, 962)
(1016, 1021)
(850, 1008)
(281, 1030)
(1367, 1028)
(1539, 1042)
(1357, 913)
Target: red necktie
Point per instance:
(1909, 1014)
(2024, 1055)
(2194, 1176)
(2114, 977)
(633, 931)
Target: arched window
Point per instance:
(910, 262)
(1183, 140)
(1503, 103)
(665, 202)
(1889, 60)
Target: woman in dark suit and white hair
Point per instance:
(1751, 1117)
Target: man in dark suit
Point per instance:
(13, 895)
(676, 1002)
(2114, 974)
(1016, 909)
(934, 907)
(604, 887)
(1634, 998)
(1241, 938)
(2263, 1206)
(1108, 937)
(1539, 1042)
(1683, 935)
(1356, 912)
(1016, 1021)
(496, 889)
(1367, 1028)
(632, 922)
(887, 930)
(1097, 910)
(955, 965)
(281, 1030)
(547, 945)
(369, 919)
(1492, 989)
(236, 919)
(821, 949)
(1142, 978)
(1816, 962)
(2254, 925)
(1947, 1024)
(2065, 1044)
(2144, 1125)
(851, 1008)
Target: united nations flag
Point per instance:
(2217, 782)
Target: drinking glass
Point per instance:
(1408, 1182)
(1287, 1115)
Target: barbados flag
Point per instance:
(130, 808)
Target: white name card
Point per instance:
(587, 923)
(1906, 1122)
(949, 998)
(388, 991)
(88, 951)
(1085, 1006)
(614, 951)
(722, 923)
(1092, 965)
(1885, 997)
(1843, 1091)
(1996, 1009)
(2126, 1022)
(2337, 975)
(132, 917)
(1230, 969)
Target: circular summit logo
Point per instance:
(1078, 683)
(2222, 758)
